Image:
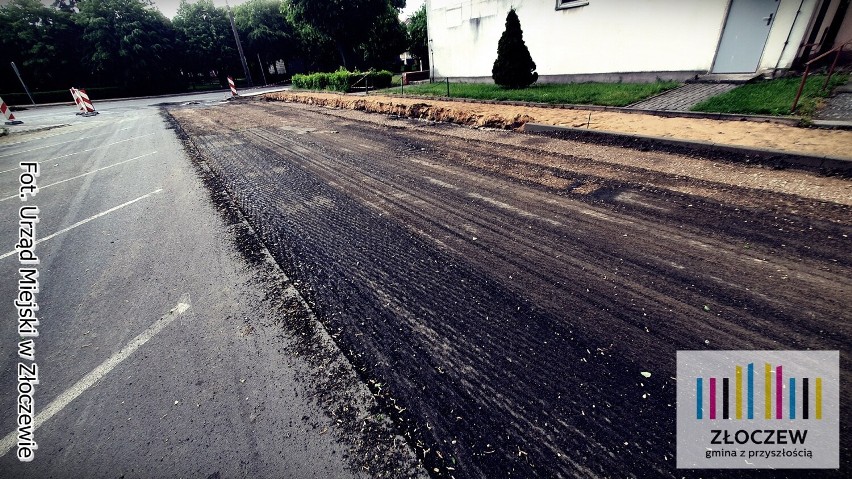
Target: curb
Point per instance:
(774, 158)
(248, 93)
(833, 124)
(43, 105)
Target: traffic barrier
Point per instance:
(77, 101)
(10, 118)
(83, 102)
(87, 104)
(233, 87)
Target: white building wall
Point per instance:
(605, 36)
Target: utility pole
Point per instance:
(239, 46)
(262, 68)
(431, 63)
(22, 83)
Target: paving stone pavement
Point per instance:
(683, 98)
(839, 106)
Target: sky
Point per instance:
(169, 7)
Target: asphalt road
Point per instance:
(503, 299)
(160, 351)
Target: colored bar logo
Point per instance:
(764, 409)
(771, 396)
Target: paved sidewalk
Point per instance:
(684, 98)
(839, 106)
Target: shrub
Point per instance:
(514, 67)
(381, 79)
(314, 81)
(342, 80)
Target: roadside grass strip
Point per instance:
(772, 97)
(602, 94)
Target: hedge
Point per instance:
(343, 80)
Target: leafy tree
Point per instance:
(387, 40)
(65, 5)
(127, 43)
(418, 37)
(266, 31)
(41, 41)
(346, 24)
(206, 39)
(514, 67)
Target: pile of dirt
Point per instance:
(450, 112)
(749, 134)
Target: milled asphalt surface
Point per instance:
(504, 298)
(218, 392)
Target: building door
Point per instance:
(744, 36)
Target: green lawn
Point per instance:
(772, 97)
(606, 94)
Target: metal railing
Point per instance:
(836, 50)
(366, 80)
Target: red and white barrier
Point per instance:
(77, 101)
(10, 118)
(233, 87)
(84, 99)
(83, 102)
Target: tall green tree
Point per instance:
(418, 36)
(386, 41)
(127, 43)
(206, 39)
(266, 31)
(514, 67)
(65, 5)
(349, 25)
(42, 41)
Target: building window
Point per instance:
(563, 4)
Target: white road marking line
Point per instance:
(54, 144)
(99, 372)
(83, 151)
(84, 174)
(82, 222)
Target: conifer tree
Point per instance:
(514, 67)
